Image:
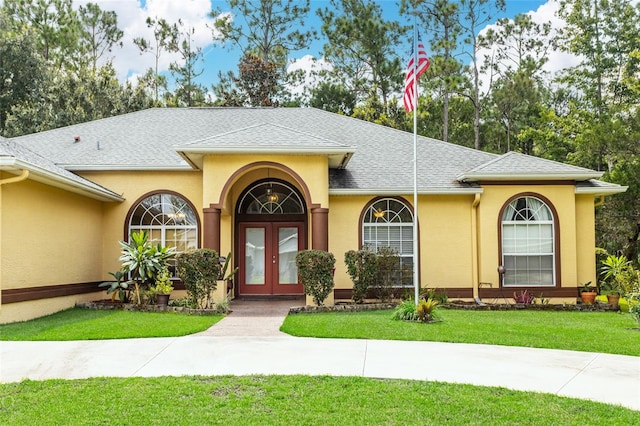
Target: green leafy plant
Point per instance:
(225, 273)
(163, 282)
(362, 267)
(424, 311)
(633, 300)
(437, 294)
(389, 272)
(315, 268)
(587, 288)
(405, 311)
(427, 310)
(143, 260)
(199, 270)
(119, 287)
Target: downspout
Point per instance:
(23, 176)
(474, 250)
(598, 201)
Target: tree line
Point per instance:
(56, 70)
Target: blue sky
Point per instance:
(132, 15)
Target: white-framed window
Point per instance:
(388, 222)
(528, 243)
(168, 218)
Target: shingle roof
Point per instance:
(516, 166)
(382, 161)
(14, 156)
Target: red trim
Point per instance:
(15, 295)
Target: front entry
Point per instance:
(268, 262)
(270, 231)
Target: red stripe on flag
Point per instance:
(423, 64)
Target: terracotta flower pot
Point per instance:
(613, 299)
(588, 297)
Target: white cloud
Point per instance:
(311, 67)
(132, 21)
(556, 59)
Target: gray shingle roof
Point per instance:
(516, 166)
(382, 162)
(14, 156)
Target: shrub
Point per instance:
(315, 268)
(406, 311)
(199, 270)
(633, 299)
(389, 272)
(362, 267)
(426, 310)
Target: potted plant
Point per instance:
(143, 260)
(163, 287)
(616, 271)
(588, 294)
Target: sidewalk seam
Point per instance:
(157, 354)
(582, 370)
(364, 360)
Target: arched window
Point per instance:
(388, 222)
(271, 197)
(169, 218)
(528, 248)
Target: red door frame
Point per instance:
(271, 258)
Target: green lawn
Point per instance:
(290, 400)
(605, 332)
(87, 324)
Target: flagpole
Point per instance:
(416, 257)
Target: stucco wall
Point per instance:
(570, 224)
(132, 185)
(49, 236)
(444, 232)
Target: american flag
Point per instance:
(423, 64)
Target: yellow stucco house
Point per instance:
(266, 183)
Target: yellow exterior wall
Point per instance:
(585, 239)
(49, 236)
(563, 199)
(444, 232)
(24, 311)
(132, 185)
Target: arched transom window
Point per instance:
(528, 251)
(388, 222)
(271, 197)
(169, 219)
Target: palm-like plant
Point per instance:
(613, 270)
(142, 259)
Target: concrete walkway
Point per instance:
(233, 347)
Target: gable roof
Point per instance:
(15, 158)
(364, 157)
(267, 138)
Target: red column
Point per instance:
(320, 229)
(211, 232)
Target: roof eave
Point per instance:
(478, 177)
(405, 191)
(47, 177)
(601, 191)
(134, 167)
